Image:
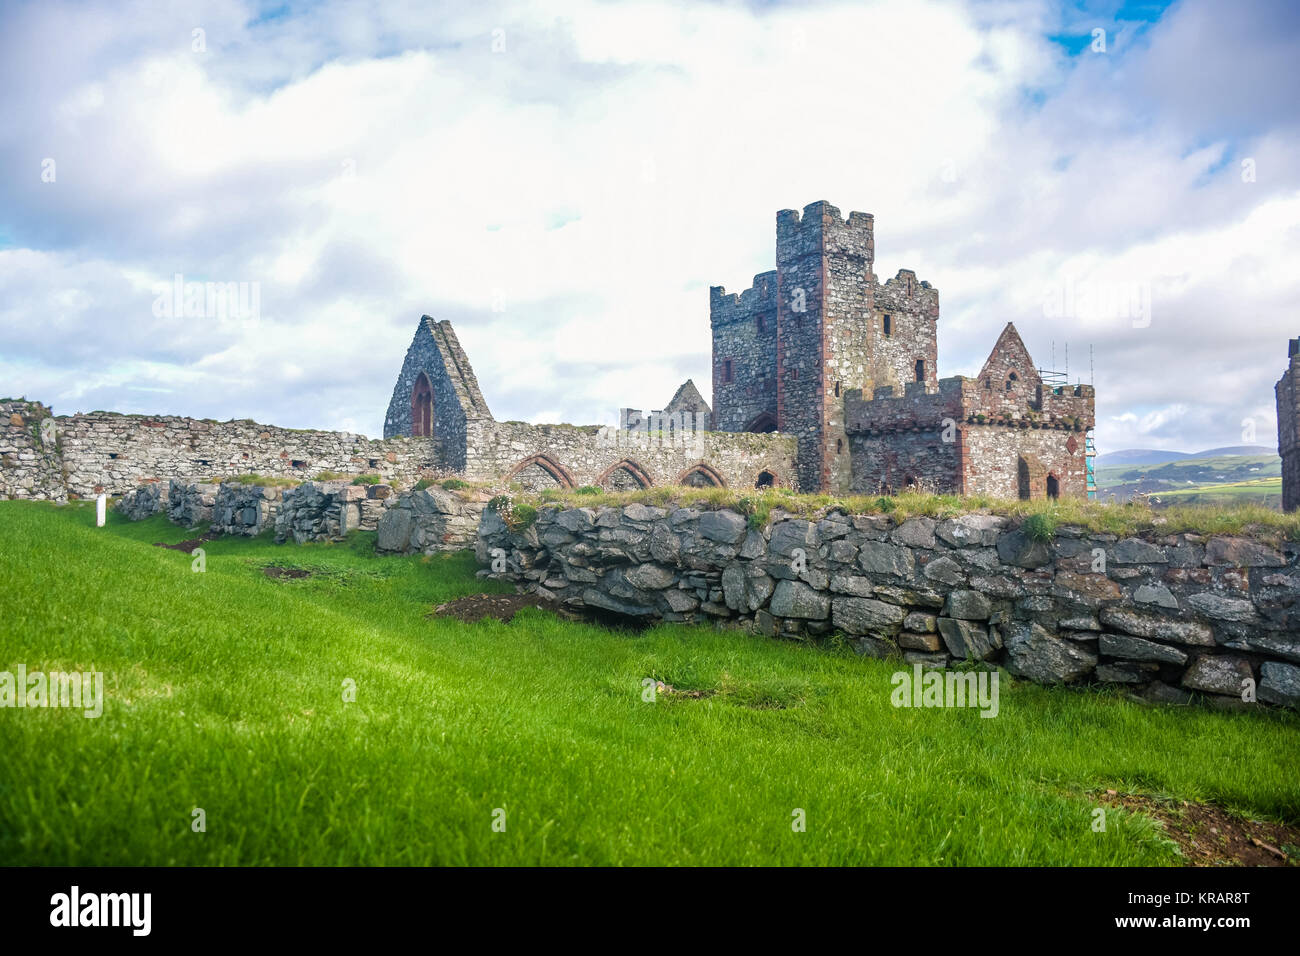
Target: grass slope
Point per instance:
(224, 693)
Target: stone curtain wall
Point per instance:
(585, 453)
(111, 453)
(114, 453)
(31, 465)
(1166, 615)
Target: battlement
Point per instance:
(1038, 406)
(962, 400)
(902, 278)
(905, 293)
(1066, 402)
(916, 405)
(822, 230)
(726, 308)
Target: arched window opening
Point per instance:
(422, 407)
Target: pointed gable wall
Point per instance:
(687, 398)
(1008, 384)
(435, 352)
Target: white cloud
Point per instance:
(606, 168)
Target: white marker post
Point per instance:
(101, 508)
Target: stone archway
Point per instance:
(625, 475)
(767, 479)
(762, 422)
(422, 407)
(538, 472)
(701, 475)
(1053, 487)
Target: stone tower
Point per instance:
(786, 350)
(1287, 391)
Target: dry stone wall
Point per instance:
(328, 510)
(1172, 616)
(429, 521)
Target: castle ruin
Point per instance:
(823, 379)
(820, 349)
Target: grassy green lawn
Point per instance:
(224, 693)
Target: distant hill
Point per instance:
(1252, 450)
(1154, 456)
(1212, 475)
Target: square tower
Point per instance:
(824, 280)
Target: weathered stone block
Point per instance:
(865, 616)
(798, 600)
(1034, 653)
(966, 639)
(1218, 674)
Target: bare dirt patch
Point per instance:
(186, 546)
(1211, 836)
(272, 571)
(500, 607)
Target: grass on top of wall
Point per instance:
(265, 481)
(223, 692)
(1095, 516)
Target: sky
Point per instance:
(565, 181)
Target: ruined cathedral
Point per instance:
(823, 379)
